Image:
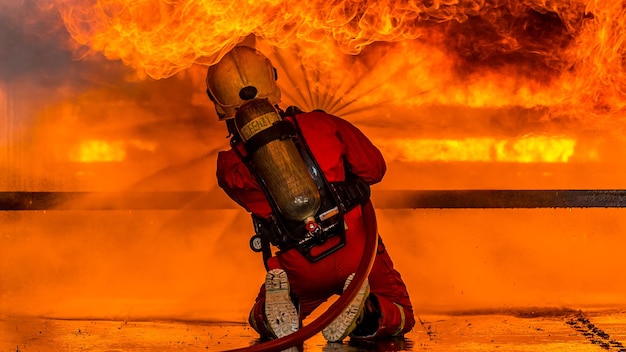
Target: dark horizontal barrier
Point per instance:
(383, 199)
(502, 199)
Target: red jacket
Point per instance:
(332, 141)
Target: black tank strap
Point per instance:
(279, 130)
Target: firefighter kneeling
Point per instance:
(304, 177)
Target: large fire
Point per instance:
(477, 53)
(561, 57)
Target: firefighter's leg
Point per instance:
(388, 311)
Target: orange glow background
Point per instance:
(109, 96)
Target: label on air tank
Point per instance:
(257, 125)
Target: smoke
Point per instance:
(26, 48)
(466, 259)
(127, 265)
(93, 125)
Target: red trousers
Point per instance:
(314, 283)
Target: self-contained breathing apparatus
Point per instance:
(307, 210)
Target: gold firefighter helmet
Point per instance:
(242, 74)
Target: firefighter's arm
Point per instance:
(364, 159)
(240, 185)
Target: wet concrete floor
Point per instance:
(527, 329)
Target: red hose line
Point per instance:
(362, 272)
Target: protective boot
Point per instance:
(347, 321)
(280, 312)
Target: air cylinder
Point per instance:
(279, 163)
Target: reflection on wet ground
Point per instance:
(528, 329)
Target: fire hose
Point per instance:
(362, 272)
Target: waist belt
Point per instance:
(350, 193)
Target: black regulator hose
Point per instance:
(362, 272)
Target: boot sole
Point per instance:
(280, 312)
(345, 323)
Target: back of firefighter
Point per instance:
(295, 285)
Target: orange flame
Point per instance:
(529, 149)
(563, 54)
(99, 151)
(164, 37)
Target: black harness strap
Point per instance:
(279, 130)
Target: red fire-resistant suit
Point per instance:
(336, 145)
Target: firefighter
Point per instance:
(320, 248)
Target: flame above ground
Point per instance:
(566, 55)
(479, 81)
